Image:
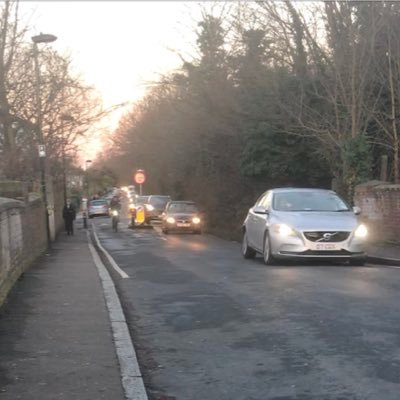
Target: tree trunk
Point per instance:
(393, 116)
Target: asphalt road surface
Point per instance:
(209, 325)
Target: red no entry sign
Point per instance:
(139, 177)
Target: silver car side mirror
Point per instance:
(357, 210)
(260, 210)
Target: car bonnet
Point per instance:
(318, 220)
(182, 215)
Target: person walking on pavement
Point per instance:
(69, 215)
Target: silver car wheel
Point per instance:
(247, 251)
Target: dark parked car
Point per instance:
(98, 207)
(181, 216)
(155, 206)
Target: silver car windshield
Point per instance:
(308, 201)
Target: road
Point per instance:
(209, 325)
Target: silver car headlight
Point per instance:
(361, 231)
(284, 230)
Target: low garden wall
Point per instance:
(380, 209)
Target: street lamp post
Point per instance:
(67, 118)
(41, 38)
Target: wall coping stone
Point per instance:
(388, 187)
(32, 196)
(372, 183)
(7, 204)
(35, 202)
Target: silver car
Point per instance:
(303, 223)
(98, 207)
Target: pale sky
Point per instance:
(116, 46)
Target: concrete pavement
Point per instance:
(56, 340)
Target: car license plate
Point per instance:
(182, 225)
(325, 246)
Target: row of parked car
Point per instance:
(173, 215)
(283, 223)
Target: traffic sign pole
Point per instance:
(140, 178)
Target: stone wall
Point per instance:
(14, 190)
(22, 239)
(380, 209)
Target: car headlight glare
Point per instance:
(149, 207)
(361, 231)
(196, 220)
(285, 230)
(171, 220)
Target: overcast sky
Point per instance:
(117, 46)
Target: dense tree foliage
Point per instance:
(282, 93)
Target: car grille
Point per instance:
(183, 221)
(321, 253)
(335, 236)
(326, 253)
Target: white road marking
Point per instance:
(131, 377)
(123, 274)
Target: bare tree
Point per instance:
(10, 43)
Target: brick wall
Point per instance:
(380, 209)
(22, 239)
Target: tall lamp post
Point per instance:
(64, 118)
(41, 38)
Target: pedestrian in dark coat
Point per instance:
(69, 215)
